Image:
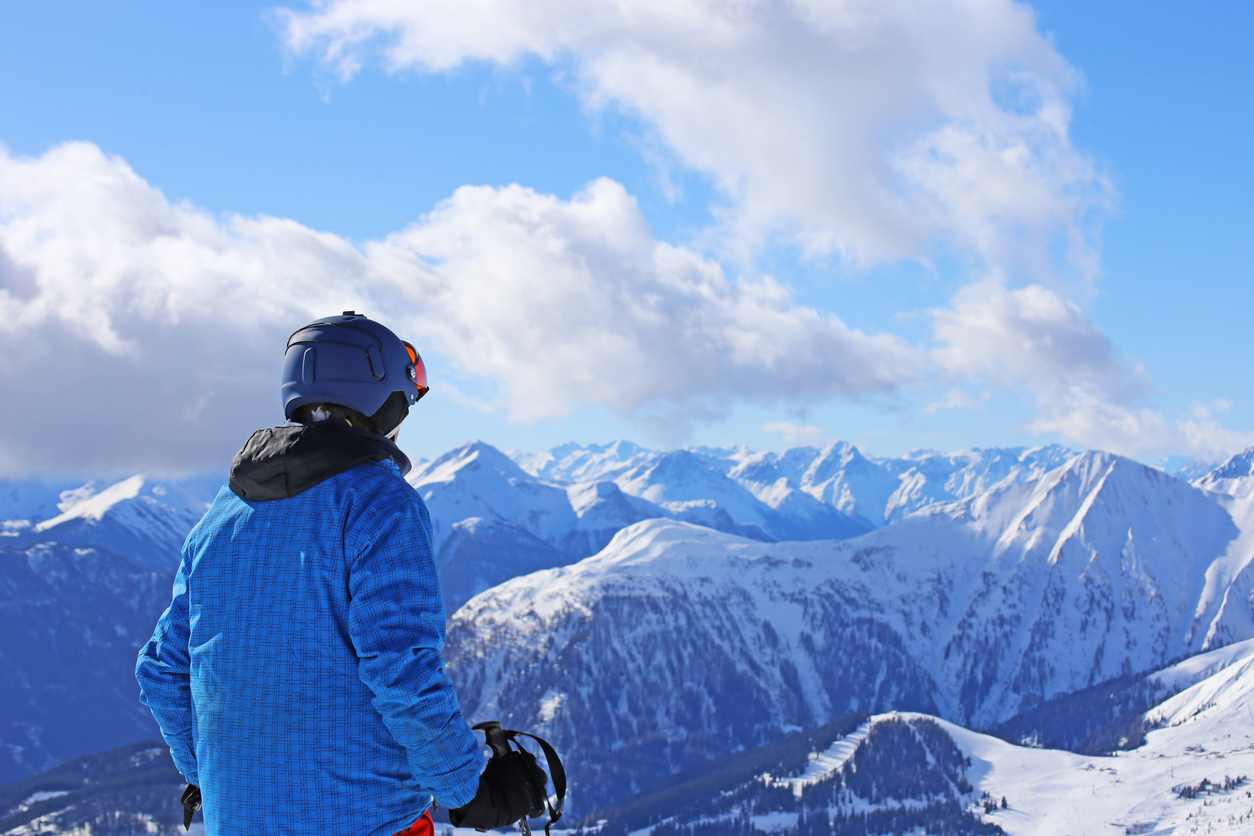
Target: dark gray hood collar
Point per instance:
(281, 462)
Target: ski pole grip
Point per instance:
(495, 735)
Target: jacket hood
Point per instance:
(281, 462)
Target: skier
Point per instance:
(297, 674)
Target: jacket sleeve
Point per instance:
(396, 622)
(164, 673)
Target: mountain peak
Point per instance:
(94, 505)
(471, 454)
(1238, 466)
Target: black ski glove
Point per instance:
(191, 803)
(512, 786)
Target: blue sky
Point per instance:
(1052, 242)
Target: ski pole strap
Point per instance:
(556, 771)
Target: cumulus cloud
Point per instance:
(1032, 339)
(1031, 334)
(140, 333)
(873, 128)
(568, 302)
(877, 129)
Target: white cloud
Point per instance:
(876, 128)
(795, 434)
(1030, 335)
(1034, 340)
(143, 334)
(1207, 438)
(568, 302)
(879, 129)
(1086, 415)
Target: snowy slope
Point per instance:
(1230, 581)
(973, 610)
(1186, 778)
(1207, 734)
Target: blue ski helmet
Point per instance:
(355, 362)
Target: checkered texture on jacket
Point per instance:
(297, 674)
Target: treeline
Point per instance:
(910, 769)
(899, 759)
(1207, 786)
(1104, 718)
(944, 818)
(114, 793)
(701, 792)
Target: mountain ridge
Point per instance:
(885, 659)
(973, 610)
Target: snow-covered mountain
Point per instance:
(676, 642)
(31, 500)
(690, 487)
(1231, 477)
(128, 791)
(874, 490)
(579, 463)
(492, 520)
(85, 570)
(907, 772)
(143, 518)
(498, 515)
(71, 621)
(890, 773)
(885, 490)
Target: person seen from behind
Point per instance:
(296, 674)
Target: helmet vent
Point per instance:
(307, 366)
(376, 362)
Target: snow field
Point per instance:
(1209, 734)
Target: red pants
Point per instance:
(423, 827)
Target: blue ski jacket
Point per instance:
(297, 674)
